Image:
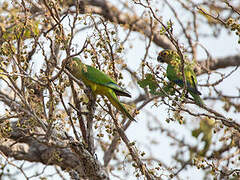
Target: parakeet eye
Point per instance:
(164, 53)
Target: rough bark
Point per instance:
(66, 154)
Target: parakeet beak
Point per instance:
(160, 59)
(66, 63)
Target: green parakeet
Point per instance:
(99, 82)
(174, 73)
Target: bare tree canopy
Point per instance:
(54, 127)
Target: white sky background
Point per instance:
(222, 46)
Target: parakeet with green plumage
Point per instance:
(174, 73)
(99, 82)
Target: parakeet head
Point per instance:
(75, 60)
(166, 55)
(71, 64)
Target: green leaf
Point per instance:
(149, 81)
(205, 128)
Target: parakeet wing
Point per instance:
(174, 74)
(98, 77)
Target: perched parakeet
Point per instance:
(174, 73)
(99, 82)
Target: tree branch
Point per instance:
(219, 63)
(66, 154)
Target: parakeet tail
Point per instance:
(198, 100)
(114, 100)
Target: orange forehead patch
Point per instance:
(73, 63)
